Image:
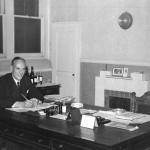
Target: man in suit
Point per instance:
(11, 94)
(13, 87)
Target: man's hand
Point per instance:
(28, 104)
(35, 102)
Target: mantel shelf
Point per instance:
(119, 77)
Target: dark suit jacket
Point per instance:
(10, 93)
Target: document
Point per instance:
(39, 107)
(124, 120)
(59, 116)
(87, 111)
(122, 126)
(130, 116)
(59, 98)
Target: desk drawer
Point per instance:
(6, 129)
(42, 140)
(32, 137)
(60, 145)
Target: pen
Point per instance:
(37, 102)
(24, 97)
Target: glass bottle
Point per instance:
(40, 78)
(32, 75)
(63, 108)
(35, 79)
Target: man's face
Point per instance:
(18, 69)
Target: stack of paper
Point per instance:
(39, 107)
(122, 126)
(87, 111)
(59, 116)
(130, 116)
(59, 98)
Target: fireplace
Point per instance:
(112, 87)
(118, 99)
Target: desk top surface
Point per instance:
(104, 135)
(48, 84)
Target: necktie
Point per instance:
(18, 84)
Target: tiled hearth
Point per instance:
(119, 95)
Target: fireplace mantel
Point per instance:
(105, 82)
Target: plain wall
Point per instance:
(103, 41)
(102, 38)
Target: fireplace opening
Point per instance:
(119, 99)
(119, 102)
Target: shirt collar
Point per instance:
(15, 80)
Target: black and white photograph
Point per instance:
(117, 72)
(74, 74)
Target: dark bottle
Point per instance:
(26, 71)
(60, 107)
(32, 74)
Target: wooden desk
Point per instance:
(49, 88)
(54, 134)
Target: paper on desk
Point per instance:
(87, 111)
(39, 107)
(122, 126)
(105, 114)
(130, 116)
(60, 98)
(116, 122)
(59, 116)
(144, 119)
(127, 117)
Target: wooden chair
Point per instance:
(142, 104)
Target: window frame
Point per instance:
(41, 49)
(9, 28)
(2, 13)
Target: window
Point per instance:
(2, 11)
(27, 26)
(1, 35)
(24, 27)
(26, 7)
(27, 35)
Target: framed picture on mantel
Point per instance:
(117, 72)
